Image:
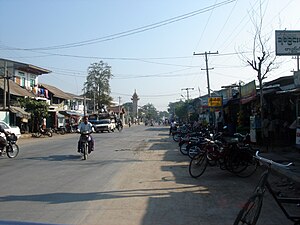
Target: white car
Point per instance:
(103, 125)
(11, 129)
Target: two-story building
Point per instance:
(20, 80)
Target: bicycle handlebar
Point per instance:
(271, 162)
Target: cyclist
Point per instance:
(3, 141)
(85, 125)
(119, 124)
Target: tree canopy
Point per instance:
(97, 85)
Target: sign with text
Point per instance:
(215, 102)
(287, 42)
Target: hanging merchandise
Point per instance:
(46, 93)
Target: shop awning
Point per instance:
(19, 112)
(70, 113)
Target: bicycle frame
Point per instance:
(283, 200)
(249, 214)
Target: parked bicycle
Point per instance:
(250, 213)
(230, 154)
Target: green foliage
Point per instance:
(149, 112)
(180, 109)
(37, 109)
(97, 84)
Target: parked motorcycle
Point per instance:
(59, 130)
(11, 149)
(44, 132)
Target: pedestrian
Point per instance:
(220, 122)
(266, 134)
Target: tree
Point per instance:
(150, 112)
(179, 110)
(263, 58)
(97, 85)
(38, 110)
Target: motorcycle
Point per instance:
(11, 149)
(85, 138)
(45, 132)
(119, 126)
(59, 130)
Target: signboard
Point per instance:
(287, 42)
(297, 78)
(215, 102)
(248, 92)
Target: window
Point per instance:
(32, 82)
(20, 79)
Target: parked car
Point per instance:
(103, 125)
(11, 129)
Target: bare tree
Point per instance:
(263, 58)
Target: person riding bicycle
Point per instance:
(119, 124)
(3, 141)
(86, 126)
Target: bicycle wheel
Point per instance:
(176, 137)
(85, 151)
(249, 168)
(242, 163)
(12, 150)
(198, 165)
(249, 214)
(183, 148)
(193, 150)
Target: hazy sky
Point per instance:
(148, 44)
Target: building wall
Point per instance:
(25, 79)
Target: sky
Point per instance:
(149, 45)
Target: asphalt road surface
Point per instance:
(134, 177)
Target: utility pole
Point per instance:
(119, 107)
(187, 91)
(84, 102)
(4, 85)
(206, 61)
(94, 110)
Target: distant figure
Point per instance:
(266, 127)
(172, 127)
(220, 122)
(44, 123)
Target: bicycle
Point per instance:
(250, 212)
(11, 149)
(85, 138)
(227, 155)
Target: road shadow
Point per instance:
(65, 197)
(56, 158)
(158, 129)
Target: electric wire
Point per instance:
(132, 31)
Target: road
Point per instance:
(134, 177)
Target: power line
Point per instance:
(132, 31)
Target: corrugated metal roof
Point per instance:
(56, 92)
(24, 67)
(15, 89)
